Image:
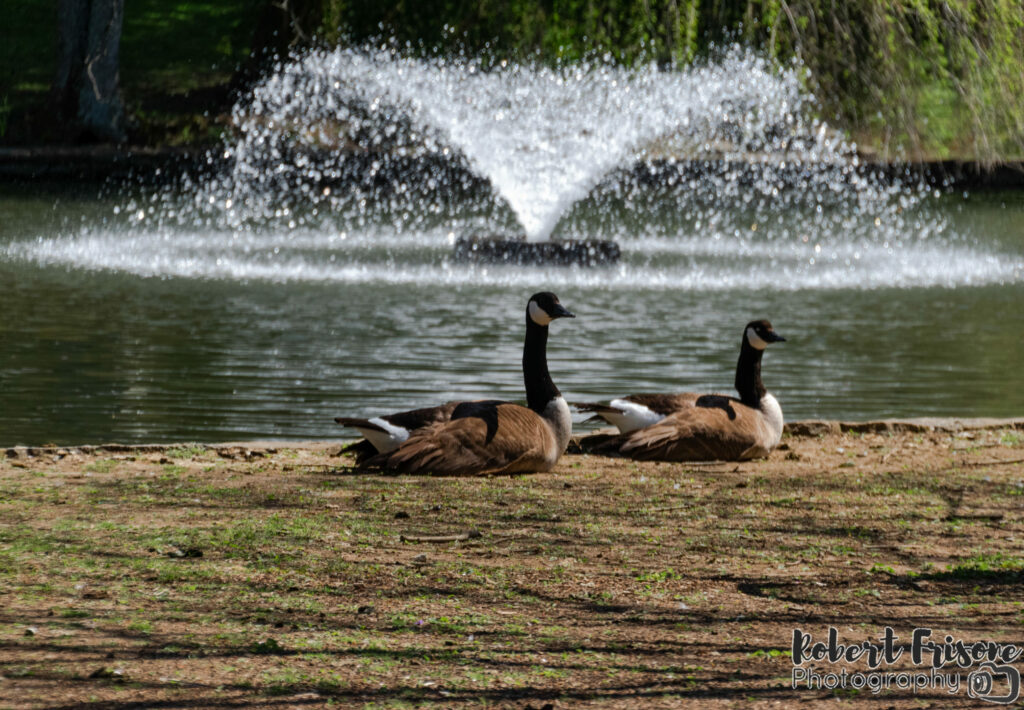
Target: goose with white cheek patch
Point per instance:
(491, 437)
(694, 427)
(387, 432)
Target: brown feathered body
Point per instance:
(695, 428)
(481, 438)
(411, 421)
(488, 437)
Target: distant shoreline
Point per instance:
(59, 163)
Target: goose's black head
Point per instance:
(544, 307)
(759, 334)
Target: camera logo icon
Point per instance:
(989, 682)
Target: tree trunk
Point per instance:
(86, 90)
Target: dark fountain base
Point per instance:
(572, 252)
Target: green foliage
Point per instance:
(182, 46)
(771, 653)
(984, 564)
(5, 113)
(932, 77)
(936, 78)
(626, 30)
(28, 46)
(176, 59)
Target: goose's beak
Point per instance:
(774, 337)
(562, 312)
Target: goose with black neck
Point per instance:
(694, 427)
(385, 433)
(492, 437)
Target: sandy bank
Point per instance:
(800, 429)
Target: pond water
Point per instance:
(302, 282)
(100, 353)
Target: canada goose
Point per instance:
(387, 432)
(491, 436)
(692, 427)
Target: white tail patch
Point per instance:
(631, 416)
(537, 314)
(755, 340)
(387, 440)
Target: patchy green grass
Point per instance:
(187, 451)
(101, 466)
(604, 583)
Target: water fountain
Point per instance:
(366, 165)
(541, 138)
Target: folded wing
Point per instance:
(386, 433)
(718, 428)
(481, 438)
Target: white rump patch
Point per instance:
(755, 340)
(538, 315)
(631, 416)
(387, 440)
(773, 417)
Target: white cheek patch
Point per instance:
(755, 340)
(537, 314)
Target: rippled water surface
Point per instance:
(98, 353)
(311, 275)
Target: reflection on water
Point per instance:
(89, 356)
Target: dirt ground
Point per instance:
(272, 575)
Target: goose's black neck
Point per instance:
(748, 375)
(540, 390)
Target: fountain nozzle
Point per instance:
(519, 252)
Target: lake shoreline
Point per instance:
(808, 428)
